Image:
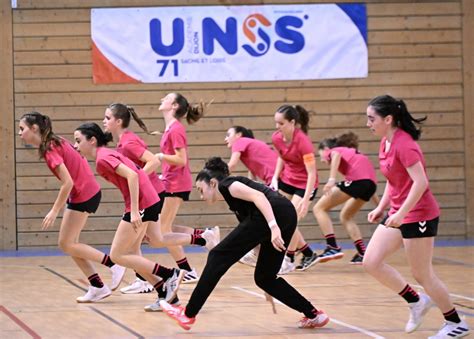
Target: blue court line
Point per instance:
(47, 252)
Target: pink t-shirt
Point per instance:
(133, 147)
(294, 171)
(259, 158)
(175, 178)
(107, 162)
(354, 165)
(403, 153)
(84, 184)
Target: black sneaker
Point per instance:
(330, 253)
(307, 262)
(357, 259)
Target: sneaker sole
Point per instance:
(355, 263)
(178, 285)
(309, 266)
(137, 292)
(422, 316)
(190, 281)
(333, 257)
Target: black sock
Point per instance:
(162, 271)
(409, 294)
(198, 240)
(95, 281)
(184, 264)
(306, 250)
(139, 276)
(291, 255)
(360, 246)
(159, 288)
(452, 316)
(331, 240)
(107, 261)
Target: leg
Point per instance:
(350, 209)
(324, 205)
(168, 214)
(384, 242)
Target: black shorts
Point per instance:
(360, 189)
(162, 196)
(182, 195)
(420, 229)
(89, 206)
(151, 213)
(292, 190)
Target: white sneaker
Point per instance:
(212, 237)
(417, 312)
(172, 284)
(117, 276)
(138, 286)
(250, 258)
(190, 277)
(155, 307)
(452, 330)
(287, 266)
(94, 294)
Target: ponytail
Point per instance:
(215, 168)
(297, 113)
(124, 112)
(45, 128)
(349, 139)
(385, 105)
(192, 112)
(91, 129)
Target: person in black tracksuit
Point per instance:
(266, 218)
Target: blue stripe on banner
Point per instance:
(357, 13)
(198, 249)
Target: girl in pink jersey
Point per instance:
(358, 187)
(260, 160)
(141, 210)
(176, 173)
(116, 121)
(412, 220)
(81, 194)
(295, 174)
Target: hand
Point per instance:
(302, 209)
(395, 220)
(328, 187)
(49, 219)
(135, 220)
(277, 240)
(274, 184)
(375, 215)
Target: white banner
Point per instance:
(237, 43)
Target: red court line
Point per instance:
(20, 323)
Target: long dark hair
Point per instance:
(192, 112)
(348, 139)
(385, 105)
(45, 128)
(297, 113)
(91, 129)
(245, 132)
(125, 112)
(215, 168)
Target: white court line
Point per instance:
(361, 330)
(452, 294)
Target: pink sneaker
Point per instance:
(177, 313)
(321, 320)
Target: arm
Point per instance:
(240, 191)
(132, 180)
(276, 175)
(335, 162)
(234, 160)
(177, 159)
(375, 215)
(66, 187)
(420, 183)
(310, 165)
(151, 162)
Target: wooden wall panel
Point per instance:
(416, 52)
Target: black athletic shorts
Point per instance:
(420, 229)
(291, 190)
(360, 189)
(151, 213)
(89, 206)
(182, 195)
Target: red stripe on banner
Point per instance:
(104, 72)
(20, 323)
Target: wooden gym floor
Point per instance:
(37, 299)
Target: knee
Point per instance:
(65, 245)
(319, 210)
(371, 265)
(344, 218)
(422, 276)
(262, 279)
(116, 256)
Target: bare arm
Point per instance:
(132, 180)
(234, 160)
(66, 186)
(179, 157)
(151, 162)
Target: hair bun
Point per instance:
(217, 164)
